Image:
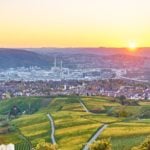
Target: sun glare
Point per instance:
(132, 46)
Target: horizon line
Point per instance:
(55, 47)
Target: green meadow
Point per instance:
(73, 125)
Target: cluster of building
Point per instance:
(58, 72)
(60, 80)
(111, 87)
(130, 92)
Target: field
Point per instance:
(73, 125)
(126, 135)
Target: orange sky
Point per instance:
(75, 23)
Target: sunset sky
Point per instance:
(74, 23)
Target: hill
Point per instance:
(102, 51)
(73, 125)
(98, 57)
(12, 58)
(72, 58)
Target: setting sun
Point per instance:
(132, 46)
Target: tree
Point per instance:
(103, 144)
(14, 111)
(122, 99)
(42, 145)
(123, 113)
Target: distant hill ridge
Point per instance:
(72, 58)
(93, 50)
(18, 58)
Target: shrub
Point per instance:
(123, 113)
(11, 128)
(103, 144)
(42, 145)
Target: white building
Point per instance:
(7, 147)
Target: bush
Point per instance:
(123, 113)
(103, 144)
(42, 145)
(11, 128)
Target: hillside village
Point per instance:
(114, 88)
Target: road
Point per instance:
(52, 129)
(132, 79)
(95, 136)
(84, 107)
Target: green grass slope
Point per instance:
(74, 126)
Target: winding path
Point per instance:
(52, 129)
(95, 136)
(84, 107)
(132, 79)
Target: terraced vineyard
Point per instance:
(22, 146)
(73, 125)
(126, 135)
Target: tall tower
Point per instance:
(61, 69)
(55, 62)
(61, 65)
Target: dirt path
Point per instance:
(84, 107)
(95, 136)
(52, 129)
